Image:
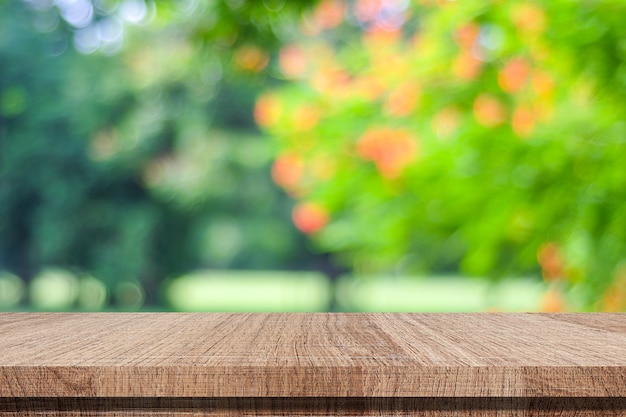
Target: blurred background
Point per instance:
(319, 155)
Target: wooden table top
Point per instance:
(312, 355)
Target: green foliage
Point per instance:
(463, 136)
(130, 164)
(415, 137)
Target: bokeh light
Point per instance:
(128, 295)
(92, 294)
(54, 289)
(11, 290)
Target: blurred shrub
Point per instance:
(127, 144)
(440, 136)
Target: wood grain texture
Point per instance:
(182, 355)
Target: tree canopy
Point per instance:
(484, 138)
(444, 136)
(128, 150)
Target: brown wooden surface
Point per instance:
(489, 355)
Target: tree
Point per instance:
(482, 138)
(126, 150)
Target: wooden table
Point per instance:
(440, 365)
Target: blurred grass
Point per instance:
(296, 291)
(249, 291)
(280, 291)
(438, 294)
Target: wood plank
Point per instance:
(189, 355)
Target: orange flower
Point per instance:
(523, 121)
(528, 18)
(466, 35)
(551, 262)
(466, 66)
(488, 110)
(378, 39)
(309, 217)
(614, 298)
(329, 13)
(293, 61)
(552, 302)
(390, 149)
(305, 118)
(514, 75)
(267, 111)
(542, 82)
(368, 87)
(403, 100)
(251, 58)
(331, 81)
(287, 171)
